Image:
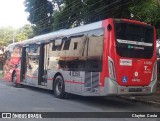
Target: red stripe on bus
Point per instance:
(32, 77)
(49, 79)
(68, 81)
(74, 82)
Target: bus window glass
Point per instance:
(32, 60)
(33, 49)
(132, 39)
(7, 55)
(56, 45)
(67, 44)
(16, 52)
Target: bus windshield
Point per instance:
(134, 40)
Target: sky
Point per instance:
(12, 13)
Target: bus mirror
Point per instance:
(109, 27)
(58, 42)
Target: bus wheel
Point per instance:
(14, 80)
(59, 87)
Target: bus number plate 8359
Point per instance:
(74, 73)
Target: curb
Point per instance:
(139, 100)
(158, 92)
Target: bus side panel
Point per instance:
(18, 75)
(10, 68)
(7, 76)
(107, 33)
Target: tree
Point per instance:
(24, 33)
(77, 12)
(147, 11)
(7, 34)
(71, 13)
(40, 15)
(158, 2)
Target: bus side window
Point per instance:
(53, 46)
(16, 52)
(67, 44)
(75, 45)
(57, 45)
(8, 55)
(33, 49)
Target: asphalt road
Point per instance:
(28, 99)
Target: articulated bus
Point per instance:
(109, 57)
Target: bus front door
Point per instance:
(43, 65)
(23, 65)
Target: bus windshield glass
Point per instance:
(134, 40)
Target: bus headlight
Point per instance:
(112, 73)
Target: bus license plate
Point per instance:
(135, 90)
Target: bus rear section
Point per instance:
(131, 59)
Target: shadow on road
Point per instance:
(97, 102)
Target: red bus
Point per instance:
(109, 57)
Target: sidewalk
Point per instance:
(152, 99)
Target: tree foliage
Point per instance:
(40, 15)
(8, 34)
(77, 12)
(24, 33)
(147, 11)
(72, 13)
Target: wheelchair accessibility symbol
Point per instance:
(124, 79)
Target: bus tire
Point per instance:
(14, 80)
(59, 87)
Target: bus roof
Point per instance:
(10, 47)
(65, 32)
